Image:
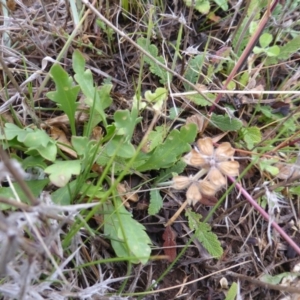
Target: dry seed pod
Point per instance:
(216, 177)
(193, 194)
(180, 182)
(205, 146)
(207, 188)
(229, 168)
(224, 152)
(195, 159)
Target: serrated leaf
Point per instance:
(193, 70)
(154, 68)
(99, 98)
(66, 93)
(289, 48)
(251, 136)
(231, 294)
(35, 186)
(175, 145)
(200, 100)
(203, 233)
(155, 138)
(128, 237)
(226, 123)
(62, 171)
(156, 202)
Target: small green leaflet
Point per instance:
(62, 171)
(203, 233)
(128, 237)
(226, 123)
(265, 40)
(66, 93)
(154, 68)
(251, 136)
(156, 202)
(275, 280)
(157, 98)
(231, 294)
(267, 165)
(222, 4)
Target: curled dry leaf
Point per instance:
(208, 200)
(63, 143)
(199, 120)
(127, 195)
(169, 237)
(64, 120)
(287, 171)
(97, 133)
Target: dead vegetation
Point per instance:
(56, 251)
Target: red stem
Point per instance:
(265, 215)
(252, 42)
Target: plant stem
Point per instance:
(265, 215)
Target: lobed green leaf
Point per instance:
(156, 202)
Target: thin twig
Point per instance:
(18, 177)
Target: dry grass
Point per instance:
(49, 251)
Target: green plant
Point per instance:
(265, 41)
